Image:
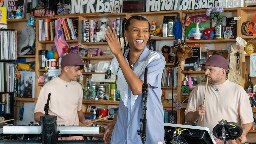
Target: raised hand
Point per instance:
(113, 42)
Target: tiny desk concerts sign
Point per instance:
(162, 5)
(92, 6)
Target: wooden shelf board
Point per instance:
(94, 43)
(248, 9)
(26, 56)
(90, 73)
(42, 70)
(52, 42)
(248, 55)
(100, 15)
(98, 58)
(253, 109)
(252, 131)
(169, 106)
(16, 20)
(169, 64)
(101, 102)
(204, 10)
(193, 72)
(40, 84)
(211, 41)
(61, 16)
(248, 37)
(18, 99)
(162, 38)
(169, 88)
(94, 135)
(157, 13)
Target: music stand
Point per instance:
(188, 133)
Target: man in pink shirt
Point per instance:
(66, 94)
(220, 99)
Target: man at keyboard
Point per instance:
(66, 95)
(219, 99)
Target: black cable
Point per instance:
(143, 120)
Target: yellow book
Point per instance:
(3, 15)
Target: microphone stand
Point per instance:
(143, 120)
(48, 125)
(46, 106)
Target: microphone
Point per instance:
(46, 107)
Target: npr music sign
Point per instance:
(92, 6)
(161, 5)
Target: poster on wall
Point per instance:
(92, 6)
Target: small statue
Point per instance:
(153, 27)
(166, 50)
(18, 14)
(208, 34)
(100, 36)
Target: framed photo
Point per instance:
(16, 9)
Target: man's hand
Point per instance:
(108, 132)
(241, 139)
(201, 112)
(87, 122)
(227, 142)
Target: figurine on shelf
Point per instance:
(18, 14)
(208, 34)
(166, 51)
(100, 36)
(154, 30)
(197, 34)
(152, 27)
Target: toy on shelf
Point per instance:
(166, 50)
(197, 34)
(154, 30)
(208, 34)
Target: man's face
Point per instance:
(137, 34)
(73, 72)
(215, 74)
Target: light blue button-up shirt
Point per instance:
(128, 119)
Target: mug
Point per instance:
(102, 112)
(51, 64)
